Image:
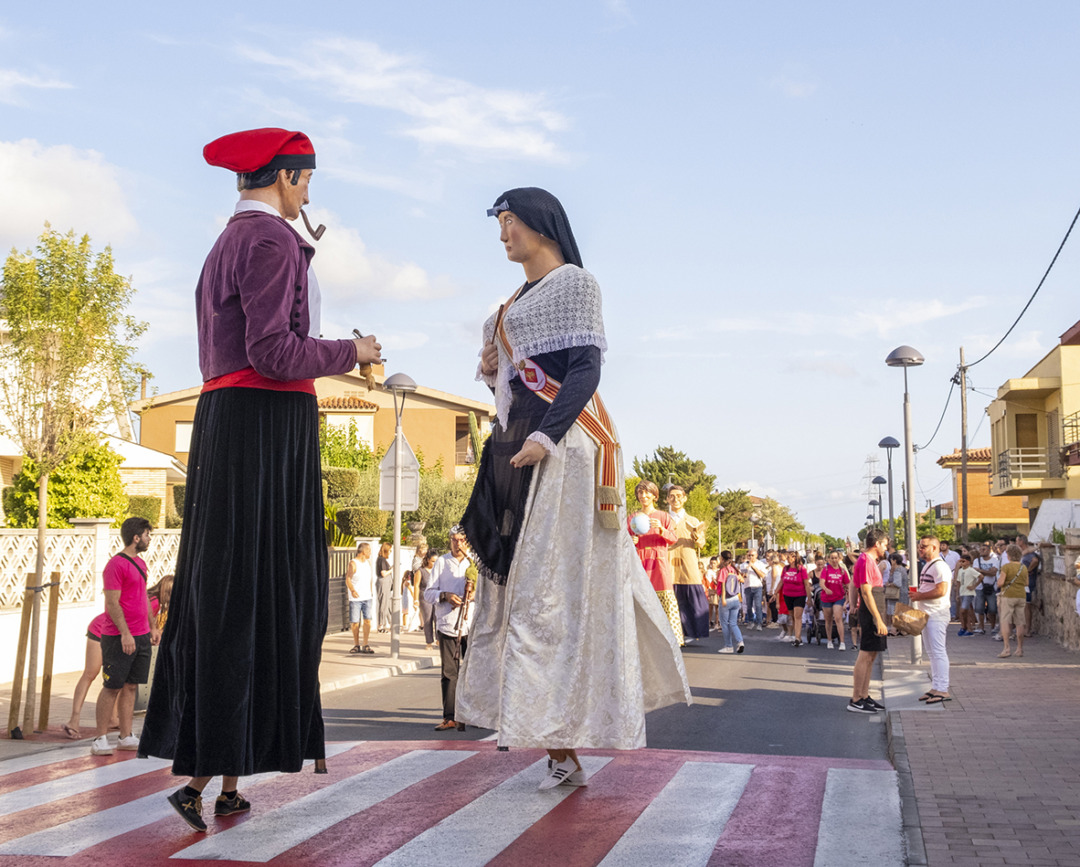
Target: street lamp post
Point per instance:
(719, 538)
(875, 507)
(401, 384)
(890, 443)
(879, 481)
(905, 357)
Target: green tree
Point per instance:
(341, 446)
(785, 526)
(86, 485)
(832, 542)
(735, 522)
(685, 472)
(68, 364)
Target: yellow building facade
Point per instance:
(435, 423)
(1035, 428)
(1006, 513)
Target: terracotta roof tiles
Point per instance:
(346, 403)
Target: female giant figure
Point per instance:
(569, 647)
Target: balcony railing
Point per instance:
(1018, 465)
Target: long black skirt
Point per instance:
(236, 688)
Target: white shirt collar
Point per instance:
(256, 205)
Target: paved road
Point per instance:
(771, 700)
(765, 769)
(410, 803)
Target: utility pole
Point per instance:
(964, 450)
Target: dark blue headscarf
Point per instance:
(542, 213)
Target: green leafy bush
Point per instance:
(342, 483)
(362, 521)
(178, 494)
(341, 446)
(86, 485)
(145, 507)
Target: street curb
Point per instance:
(380, 674)
(909, 808)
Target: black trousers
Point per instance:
(451, 650)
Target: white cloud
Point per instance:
(69, 188)
(842, 316)
(892, 315)
(348, 272)
(619, 10)
(164, 297)
(11, 81)
(793, 87)
(442, 111)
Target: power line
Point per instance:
(940, 420)
(1033, 294)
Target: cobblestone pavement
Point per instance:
(995, 773)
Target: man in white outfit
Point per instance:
(932, 597)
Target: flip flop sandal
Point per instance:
(366, 649)
(938, 699)
(356, 649)
(70, 732)
(926, 696)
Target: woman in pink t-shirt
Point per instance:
(92, 667)
(795, 585)
(834, 583)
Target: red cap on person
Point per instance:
(254, 149)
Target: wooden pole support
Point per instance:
(20, 661)
(50, 646)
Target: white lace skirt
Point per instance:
(575, 648)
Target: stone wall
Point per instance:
(1055, 615)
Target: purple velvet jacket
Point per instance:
(252, 305)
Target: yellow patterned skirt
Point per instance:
(671, 608)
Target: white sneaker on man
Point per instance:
(726, 650)
(129, 743)
(101, 746)
(828, 645)
(843, 646)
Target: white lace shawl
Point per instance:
(562, 311)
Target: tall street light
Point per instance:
(875, 507)
(719, 538)
(905, 357)
(890, 443)
(879, 481)
(399, 384)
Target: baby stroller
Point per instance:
(814, 618)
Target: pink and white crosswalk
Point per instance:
(462, 803)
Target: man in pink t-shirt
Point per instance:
(127, 635)
(865, 577)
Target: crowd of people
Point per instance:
(369, 583)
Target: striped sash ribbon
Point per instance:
(593, 420)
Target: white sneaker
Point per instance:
(129, 743)
(726, 650)
(101, 747)
(843, 646)
(783, 637)
(828, 645)
(561, 772)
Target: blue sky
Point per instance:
(772, 195)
